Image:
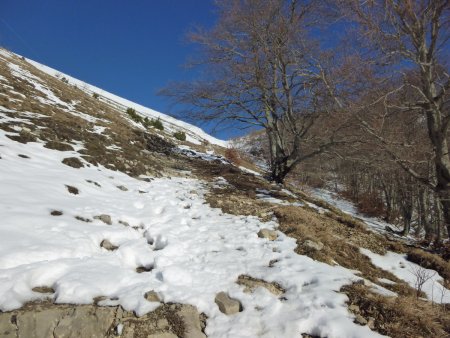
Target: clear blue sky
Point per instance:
(130, 48)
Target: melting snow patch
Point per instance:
(410, 272)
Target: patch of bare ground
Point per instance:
(402, 317)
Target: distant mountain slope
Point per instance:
(194, 134)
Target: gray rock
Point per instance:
(122, 187)
(7, 327)
(360, 320)
(317, 246)
(226, 304)
(354, 308)
(271, 235)
(162, 335)
(371, 323)
(104, 218)
(191, 320)
(251, 284)
(152, 296)
(108, 245)
(43, 289)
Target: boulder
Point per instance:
(227, 305)
(271, 235)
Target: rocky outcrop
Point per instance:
(36, 320)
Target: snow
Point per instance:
(193, 134)
(398, 265)
(348, 207)
(244, 169)
(264, 195)
(195, 252)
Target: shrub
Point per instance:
(95, 95)
(232, 155)
(134, 116)
(157, 124)
(180, 135)
(65, 80)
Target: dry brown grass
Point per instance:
(431, 261)
(402, 317)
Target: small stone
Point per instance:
(43, 289)
(162, 324)
(123, 188)
(124, 223)
(108, 245)
(317, 246)
(162, 335)
(83, 219)
(371, 323)
(271, 235)
(152, 296)
(354, 308)
(56, 213)
(72, 190)
(73, 162)
(141, 269)
(104, 218)
(360, 320)
(226, 304)
(24, 156)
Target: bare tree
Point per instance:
(263, 69)
(409, 40)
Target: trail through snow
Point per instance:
(193, 250)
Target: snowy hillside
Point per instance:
(194, 134)
(97, 211)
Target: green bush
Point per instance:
(95, 96)
(180, 135)
(134, 116)
(157, 124)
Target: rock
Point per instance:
(73, 162)
(104, 218)
(122, 187)
(81, 323)
(250, 284)
(316, 246)
(58, 146)
(7, 326)
(56, 213)
(44, 319)
(354, 308)
(106, 244)
(43, 289)
(271, 235)
(191, 320)
(162, 335)
(124, 223)
(371, 323)
(152, 296)
(144, 268)
(72, 190)
(227, 305)
(360, 320)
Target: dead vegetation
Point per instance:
(402, 317)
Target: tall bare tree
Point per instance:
(264, 69)
(409, 40)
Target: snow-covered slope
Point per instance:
(193, 133)
(80, 224)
